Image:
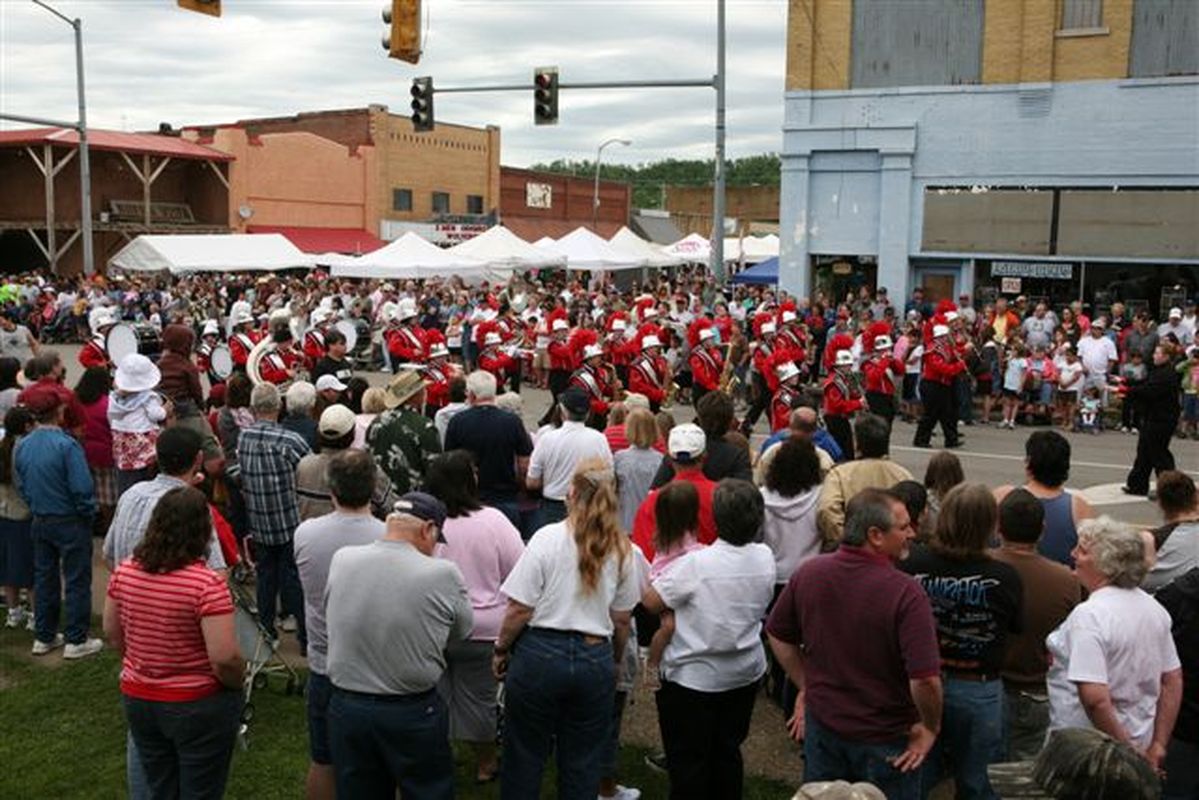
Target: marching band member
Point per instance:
(786, 397)
(841, 399)
(243, 339)
(593, 378)
(95, 352)
(764, 377)
(315, 345)
(492, 359)
(882, 370)
(405, 342)
(437, 374)
(618, 348)
(279, 364)
(562, 359)
(941, 367)
(210, 336)
(707, 362)
(649, 374)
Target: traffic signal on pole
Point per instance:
(210, 7)
(403, 39)
(422, 104)
(545, 96)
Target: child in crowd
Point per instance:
(1132, 372)
(16, 541)
(1040, 377)
(910, 407)
(1069, 381)
(989, 377)
(135, 413)
(676, 514)
(1089, 411)
(1189, 370)
(1014, 375)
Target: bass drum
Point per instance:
(221, 362)
(121, 341)
(350, 331)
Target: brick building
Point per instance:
(140, 183)
(536, 204)
(1040, 147)
(333, 180)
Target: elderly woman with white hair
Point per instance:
(301, 402)
(1114, 665)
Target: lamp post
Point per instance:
(595, 203)
(85, 168)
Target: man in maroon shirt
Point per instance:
(857, 638)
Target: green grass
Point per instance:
(64, 737)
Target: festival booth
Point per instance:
(692, 248)
(751, 249)
(504, 252)
(235, 252)
(629, 243)
(590, 252)
(765, 273)
(411, 257)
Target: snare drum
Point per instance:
(221, 362)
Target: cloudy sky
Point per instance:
(149, 62)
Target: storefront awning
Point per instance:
(349, 241)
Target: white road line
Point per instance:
(1006, 457)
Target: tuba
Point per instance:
(254, 360)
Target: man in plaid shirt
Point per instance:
(268, 454)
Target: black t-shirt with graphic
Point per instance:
(976, 602)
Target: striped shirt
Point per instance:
(165, 657)
(268, 455)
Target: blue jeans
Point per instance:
(551, 511)
(135, 773)
(318, 692)
(971, 738)
(828, 757)
(185, 748)
(62, 545)
(275, 567)
(380, 742)
(560, 690)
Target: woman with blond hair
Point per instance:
(570, 597)
(977, 601)
(373, 404)
(636, 464)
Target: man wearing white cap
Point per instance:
(941, 367)
(786, 397)
(494, 360)
(314, 345)
(210, 336)
(842, 398)
(619, 350)
(596, 381)
(561, 358)
(95, 352)
(649, 374)
(1174, 325)
(882, 369)
(707, 365)
(405, 341)
(437, 374)
(243, 339)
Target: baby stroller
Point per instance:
(262, 656)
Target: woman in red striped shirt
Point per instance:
(171, 617)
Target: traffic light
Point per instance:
(403, 40)
(545, 96)
(422, 104)
(210, 7)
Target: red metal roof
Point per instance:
(533, 228)
(148, 143)
(350, 241)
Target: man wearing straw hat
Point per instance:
(403, 440)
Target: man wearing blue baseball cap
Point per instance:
(390, 610)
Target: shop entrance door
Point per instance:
(938, 287)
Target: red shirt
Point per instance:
(165, 658)
(618, 438)
(644, 524)
(867, 629)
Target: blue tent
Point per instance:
(765, 272)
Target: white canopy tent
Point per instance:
(503, 251)
(691, 248)
(236, 252)
(630, 243)
(544, 242)
(588, 251)
(410, 256)
(751, 249)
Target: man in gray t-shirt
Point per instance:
(1038, 329)
(390, 610)
(351, 482)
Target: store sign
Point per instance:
(441, 233)
(1010, 285)
(1032, 269)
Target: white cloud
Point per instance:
(149, 62)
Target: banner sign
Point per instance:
(1032, 269)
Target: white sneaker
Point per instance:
(17, 617)
(30, 623)
(84, 649)
(288, 624)
(623, 793)
(40, 648)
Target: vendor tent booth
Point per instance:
(503, 251)
(235, 252)
(633, 245)
(764, 273)
(585, 250)
(691, 248)
(410, 256)
(751, 249)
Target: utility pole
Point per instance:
(716, 262)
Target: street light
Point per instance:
(599, 153)
(85, 168)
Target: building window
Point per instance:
(474, 204)
(401, 199)
(441, 202)
(1081, 15)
